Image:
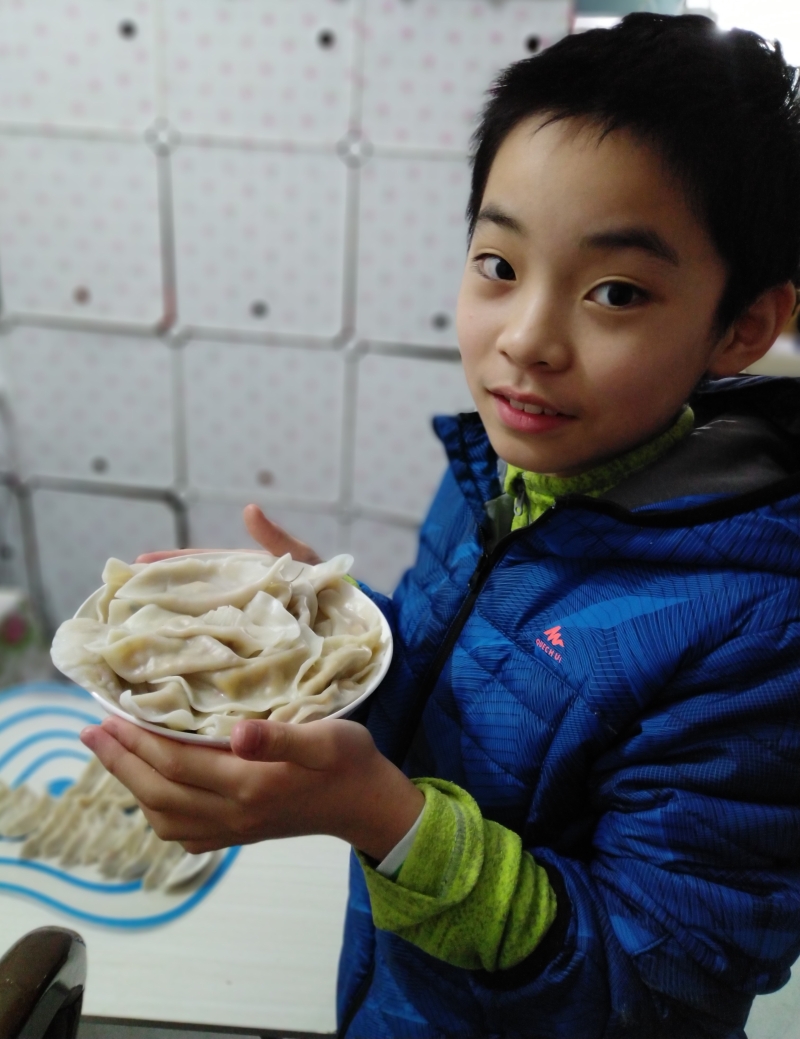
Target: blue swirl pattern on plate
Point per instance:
(39, 745)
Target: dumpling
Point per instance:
(194, 643)
(71, 655)
(196, 584)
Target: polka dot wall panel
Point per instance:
(79, 64)
(271, 69)
(90, 406)
(382, 553)
(398, 459)
(428, 63)
(79, 229)
(7, 460)
(78, 532)
(260, 239)
(12, 549)
(232, 234)
(264, 417)
(412, 246)
(219, 523)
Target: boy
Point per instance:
(597, 651)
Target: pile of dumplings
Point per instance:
(197, 642)
(97, 823)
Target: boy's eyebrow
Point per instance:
(644, 238)
(495, 215)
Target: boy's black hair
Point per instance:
(721, 108)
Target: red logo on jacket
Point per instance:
(554, 638)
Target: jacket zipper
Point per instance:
(480, 575)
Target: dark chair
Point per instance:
(42, 979)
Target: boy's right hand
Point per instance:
(268, 534)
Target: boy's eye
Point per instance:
(495, 268)
(616, 294)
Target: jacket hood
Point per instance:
(746, 438)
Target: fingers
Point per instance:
(154, 792)
(279, 741)
(274, 539)
(202, 768)
(314, 746)
(268, 534)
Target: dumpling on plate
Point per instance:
(194, 643)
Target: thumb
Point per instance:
(274, 539)
(310, 746)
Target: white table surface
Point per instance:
(259, 951)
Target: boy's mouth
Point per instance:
(527, 413)
(530, 409)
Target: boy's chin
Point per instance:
(550, 459)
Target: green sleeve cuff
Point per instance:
(467, 892)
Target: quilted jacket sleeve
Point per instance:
(467, 893)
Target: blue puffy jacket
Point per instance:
(619, 683)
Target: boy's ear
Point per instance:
(754, 331)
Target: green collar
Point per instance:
(534, 493)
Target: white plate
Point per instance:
(87, 610)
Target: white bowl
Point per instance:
(87, 610)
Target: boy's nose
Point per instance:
(535, 334)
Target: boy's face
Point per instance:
(590, 291)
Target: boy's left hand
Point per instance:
(282, 780)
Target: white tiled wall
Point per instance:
(94, 407)
(82, 65)
(261, 70)
(259, 239)
(231, 237)
(78, 532)
(264, 417)
(398, 463)
(79, 232)
(412, 238)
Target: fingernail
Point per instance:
(248, 737)
(87, 735)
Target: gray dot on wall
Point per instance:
(81, 294)
(440, 322)
(326, 38)
(6, 552)
(99, 464)
(259, 308)
(265, 477)
(127, 29)
(533, 43)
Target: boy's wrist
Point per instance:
(391, 804)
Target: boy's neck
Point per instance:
(533, 493)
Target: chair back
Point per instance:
(42, 979)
